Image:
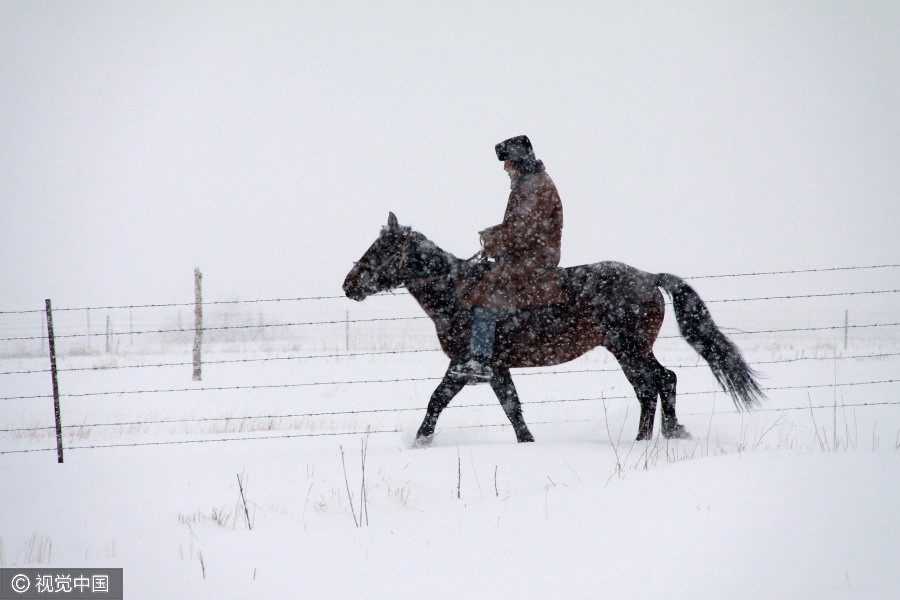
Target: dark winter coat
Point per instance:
(526, 246)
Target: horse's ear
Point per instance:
(392, 222)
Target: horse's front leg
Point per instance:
(443, 394)
(502, 384)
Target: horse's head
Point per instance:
(383, 266)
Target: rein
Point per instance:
(425, 280)
(400, 258)
(419, 282)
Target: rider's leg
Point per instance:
(483, 327)
(481, 347)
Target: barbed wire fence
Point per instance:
(21, 342)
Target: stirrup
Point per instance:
(473, 371)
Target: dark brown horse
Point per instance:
(610, 304)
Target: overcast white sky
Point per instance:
(265, 142)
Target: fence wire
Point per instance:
(612, 369)
(368, 431)
(731, 331)
(314, 298)
(230, 361)
(345, 413)
(264, 326)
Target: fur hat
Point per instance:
(520, 153)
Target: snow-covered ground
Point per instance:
(795, 500)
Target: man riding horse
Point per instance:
(526, 248)
(608, 304)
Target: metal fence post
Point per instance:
(50, 338)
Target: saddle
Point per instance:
(552, 318)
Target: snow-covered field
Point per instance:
(795, 500)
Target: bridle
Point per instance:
(399, 254)
(400, 258)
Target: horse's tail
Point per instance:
(700, 331)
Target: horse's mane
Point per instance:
(426, 247)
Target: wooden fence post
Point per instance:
(50, 338)
(87, 338)
(846, 326)
(198, 322)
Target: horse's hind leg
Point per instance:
(440, 398)
(643, 376)
(651, 380)
(502, 384)
(666, 382)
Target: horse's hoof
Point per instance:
(525, 437)
(423, 441)
(643, 436)
(676, 432)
